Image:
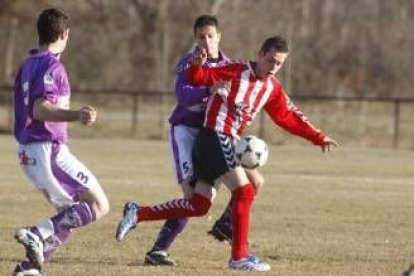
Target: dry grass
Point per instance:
(348, 213)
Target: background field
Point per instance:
(347, 213)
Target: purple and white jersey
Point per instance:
(42, 75)
(191, 100)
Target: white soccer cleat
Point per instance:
(128, 222)
(251, 263)
(33, 246)
(159, 258)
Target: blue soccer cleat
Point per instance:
(128, 222)
(250, 263)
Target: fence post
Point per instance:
(396, 136)
(134, 114)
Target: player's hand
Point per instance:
(87, 115)
(199, 56)
(221, 88)
(328, 144)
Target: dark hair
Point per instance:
(50, 24)
(205, 20)
(275, 42)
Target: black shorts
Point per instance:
(213, 155)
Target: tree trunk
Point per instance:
(10, 49)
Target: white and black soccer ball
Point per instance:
(251, 152)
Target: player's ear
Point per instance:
(64, 34)
(218, 36)
(260, 53)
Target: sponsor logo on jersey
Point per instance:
(26, 160)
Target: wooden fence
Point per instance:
(365, 121)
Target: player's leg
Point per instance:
(215, 160)
(75, 193)
(170, 231)
(65, 181)
(221, 229)
(243, 194)
(256, 178)
(181, 140)
(197, 205)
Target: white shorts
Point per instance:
(181, 141)
(54, 170)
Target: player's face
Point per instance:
(269, 63)
(209, 38)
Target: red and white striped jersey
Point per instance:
(248, 94)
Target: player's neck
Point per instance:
(214, 55)
(54, 48)
(256, 70)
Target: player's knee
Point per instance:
(188, 191)
(258, 182)
(102, 208)
(244, 192)
(96, 198)
(200, 204)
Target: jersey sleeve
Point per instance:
(198, 75)
(51, 81)
(286, 115)
(188, 94)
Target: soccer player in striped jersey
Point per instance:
(253, 86)
(41, 108)
(185, 122)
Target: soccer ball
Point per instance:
(251, 152)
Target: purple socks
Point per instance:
(55, 231)
(169, 232)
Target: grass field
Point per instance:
(346, 213)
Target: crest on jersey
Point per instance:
(240, 109)
(48, 78)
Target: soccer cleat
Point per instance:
(26, 268)
(221, 232)
(251, 263)
(159, 258)
(128, 222)
(33, 246)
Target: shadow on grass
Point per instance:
(61, 260)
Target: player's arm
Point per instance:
(198, 75)
(46, 106)
(187, 94)
(287, 116)
(43, 110)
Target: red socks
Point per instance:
(197, 205)
(240, 220)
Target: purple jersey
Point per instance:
(42, 75)
(191, 100)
